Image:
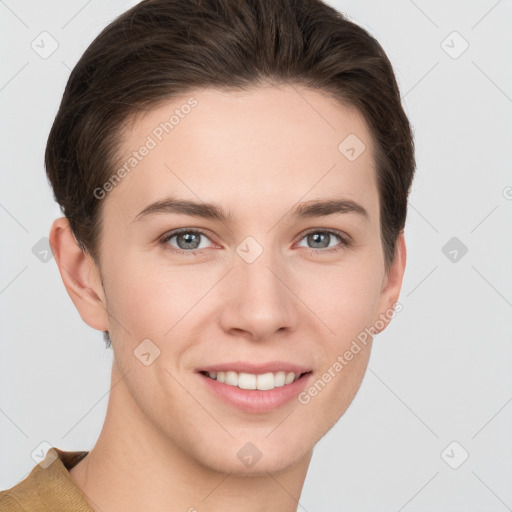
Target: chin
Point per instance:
(253, 458)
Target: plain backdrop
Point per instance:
(430, 428)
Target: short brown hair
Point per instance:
(163, 48)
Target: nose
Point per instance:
(260, 299)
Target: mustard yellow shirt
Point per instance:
(48, 487)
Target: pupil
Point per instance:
(188, 240)
(316, 236)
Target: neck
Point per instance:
(134, 466)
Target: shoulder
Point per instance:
(47, 487)
(8, 503)
(23, 497)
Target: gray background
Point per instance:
(440, 373)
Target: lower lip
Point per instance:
(255, 400)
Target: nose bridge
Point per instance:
(260, 260)
(256, 267)
(260, 302)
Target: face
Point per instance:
(257, 278)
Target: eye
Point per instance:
(320, 239)
(187, 240)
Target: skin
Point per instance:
(257, 153)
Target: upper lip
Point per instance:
(257, 369)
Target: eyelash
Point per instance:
(344, 239)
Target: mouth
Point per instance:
(267, 389)
(252, 381)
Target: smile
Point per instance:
(263, 382)
(255, 393)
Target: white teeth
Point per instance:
(279, 379)
(266, 381)
(263, 382)
(246, 381)
(289, 378)
(231, 378)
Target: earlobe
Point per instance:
(80, 275)
(392, 282)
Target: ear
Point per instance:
(80, 275)
(392, 284)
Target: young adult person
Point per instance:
(234, 178)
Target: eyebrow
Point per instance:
(214, 211)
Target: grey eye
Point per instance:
(320, 239)
(187, 240)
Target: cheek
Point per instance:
(346, 302)
(329, 395)
(345, 299)
(149, 299)
(155, 298)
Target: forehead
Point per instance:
(252, 149)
